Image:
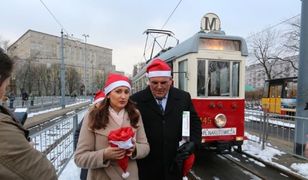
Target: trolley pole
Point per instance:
(62, 73)
(301, 125)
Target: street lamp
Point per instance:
(85, 63)
(62, 73)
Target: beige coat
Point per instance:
(18, 159)
(91, 144)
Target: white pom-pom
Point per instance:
(185, 178)
(125, 175)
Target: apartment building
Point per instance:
(87, 59)
(255, 74)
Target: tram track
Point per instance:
(269, 171)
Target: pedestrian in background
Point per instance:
(12, 99)
(94, 151)
(24, 98)
(98, 99)
(18, 159)
(32, 97)
(161, 107)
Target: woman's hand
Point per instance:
(114, 153)
(131, 150)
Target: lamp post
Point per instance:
(92, 79)
(62, 73)
(85, 63)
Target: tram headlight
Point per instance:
(220, 120)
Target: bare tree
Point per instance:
(41, 75)
(55, 79)
(293, 36)
(291, 44)
(100, 79)
(73, 80)
(267, 50)
(46, 80)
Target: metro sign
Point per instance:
(210, 22)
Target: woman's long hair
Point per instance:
(99, 117)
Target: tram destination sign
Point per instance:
(210, 22)
(218, 131)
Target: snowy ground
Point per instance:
(70, 172)
(251, 147)
(54, 109)
(254, 148)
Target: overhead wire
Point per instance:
(53, 16)
(171, 14)
(275, 25)
(155, 37)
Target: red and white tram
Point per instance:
(211, 67)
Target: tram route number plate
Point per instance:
(218, 131)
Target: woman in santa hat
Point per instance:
(98, 98)
(117, 116)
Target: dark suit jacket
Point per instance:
(164, 131)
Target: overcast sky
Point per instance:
(119, 24)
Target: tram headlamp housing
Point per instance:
(220, 120)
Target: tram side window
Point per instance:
(235, 78)
(219, 78)
(201, 78)
(182, 75)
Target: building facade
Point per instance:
(87, 59)
(256, 76)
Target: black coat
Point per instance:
(83, 172)
(164, 131)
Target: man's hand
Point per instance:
(183, 153)
(187, 147)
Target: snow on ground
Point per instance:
(70, 172)
(254, 148)
(42, 112)
(54, 109)
(301, 168)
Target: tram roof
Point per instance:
(191, 45)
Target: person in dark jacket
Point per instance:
(98, 98)
(162, 106)
(18, 159)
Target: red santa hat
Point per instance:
(122, 138)
(158, 68)
(188, 163)
(99, 96)
(114, 81)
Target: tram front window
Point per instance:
(218, 78)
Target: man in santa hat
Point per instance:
(161, 106)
